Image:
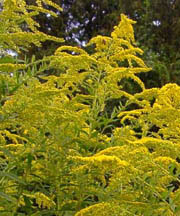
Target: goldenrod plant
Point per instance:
(16, 15)
(64, 153)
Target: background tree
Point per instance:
(157, 30)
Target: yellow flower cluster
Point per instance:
(73, 153)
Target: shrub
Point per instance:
(65, 152)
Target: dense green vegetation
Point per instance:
(80, 134)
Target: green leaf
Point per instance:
(27, 201)
(29, 160)
(7, 152)
(177, 209)
(7, 197)
(12, 176)
(7, 59)
(69, 207)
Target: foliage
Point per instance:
(156, 31)
(63, 152)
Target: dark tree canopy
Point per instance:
(157, 30)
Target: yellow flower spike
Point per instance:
(124, 29)
(25, 132)
(44, 201)
(99, 209)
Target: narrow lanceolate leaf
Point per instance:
(7, 153)
(12, 176)
(7, 197)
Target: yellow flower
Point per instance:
(25, 132)
(44, 201)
